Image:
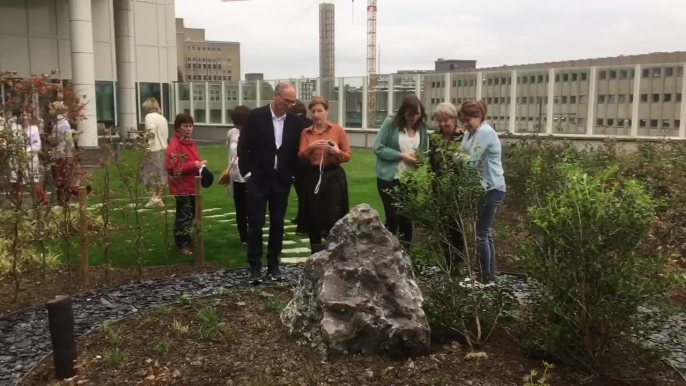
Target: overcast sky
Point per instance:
(280, 37)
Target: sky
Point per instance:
(280, 38)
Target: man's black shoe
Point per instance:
(255, 275)
(275, 274)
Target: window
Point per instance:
(459, 83)
(669, 71)
(631, 98)
(490, 81)
(603, 74)
(632, 74)
(680, 71)
(433, 84)
(564, 99)
(644, 98)
(643, 123)
(646, 73)
(565, 77)
(496, 81)
(582, 98)
(653, 123)
(472, 82)
(533, 79)
(610, 122)
(546, 100)
(547, 78)
(678, 97)
(622, 98)
(572, 99)
(575, 76)
(583, 76)
(557, 77)
(509, 80)
(613, 74)
(104, 96)
(667, 98)
(612, 99)
(524, 79)
(556, 100)
(677, 123)
(657, 72)
(599, 122)
(539, 100)
(620, 122)
(503, 80)
(433, 101)
(454, 83)
(540, 79)
(531, 100)
(628, 123)
(509, 100)
(656, 98)
(623, 74)
(665, 123)
(601, 98)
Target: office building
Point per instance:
(202, 60)
(327, 40)
(106, 49)
(447, 65)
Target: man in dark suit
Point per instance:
(268, 159)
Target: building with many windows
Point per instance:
(203, 60)
(115, 52)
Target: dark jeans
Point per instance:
(240, 200)
(397, 224)
(185, 213)
(276, 196)
(484, 229)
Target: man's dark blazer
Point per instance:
(257, 148)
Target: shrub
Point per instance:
(445, 205)
(583, 252)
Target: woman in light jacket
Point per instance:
(237, 185)
(157, 135)
(484, 150)
(28, 168)
(399, 143)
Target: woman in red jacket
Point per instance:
(183, 164)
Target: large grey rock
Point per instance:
(360, 294)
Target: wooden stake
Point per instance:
(199, 239)
(83, 233)
(61, 322)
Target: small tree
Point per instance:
(446, 205)
(583, 253)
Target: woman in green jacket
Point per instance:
(401, 139)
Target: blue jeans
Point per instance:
(484, 230)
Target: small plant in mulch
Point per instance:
(534, 379)
(186, 299)
(162, 347)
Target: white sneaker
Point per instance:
(154, 202)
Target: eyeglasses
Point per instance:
(288, 101)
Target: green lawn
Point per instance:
(221, 236)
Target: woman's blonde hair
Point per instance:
(151, 105)
(447, 110)
(474, 109)
(319, 100)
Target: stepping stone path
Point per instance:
(25, 338)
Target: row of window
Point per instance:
(215, 95)
(643, 123)
(205, 60)
(573, 99)
(209, 77)
(647, 73)
(204, 49)
(204, 66)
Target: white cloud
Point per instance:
(280, 37)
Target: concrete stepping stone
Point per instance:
(285, 242)
(208, 210)
(296, 251)
(294, 260)
(216, 216)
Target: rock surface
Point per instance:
(360, 294)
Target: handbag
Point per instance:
(225, 178)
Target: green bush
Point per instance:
(583, 251)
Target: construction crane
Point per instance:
(371, 62)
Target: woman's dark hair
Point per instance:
(411, 103)
(182, 119)
(298, 108)
(239, 115)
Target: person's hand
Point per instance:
(409, 158)
(199, 164)
(321, 144)
(150, 135)
(333, 149)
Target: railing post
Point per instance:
(682, 125)
(418, 86)
(390, 95)
(479, 84)
(637, 101)
(513, 103)
(199, 238)
(191, 97)
(593, 81)
(258, 93)
(550, 108)
(240, 92)
(318, 86)
(223, 99)
(83, 235)
(447, 88)
(341, 101)
(177, 101)
(207, 103)
(365, 97)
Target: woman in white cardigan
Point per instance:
(27, 168)
(237, 186)
(153, 172)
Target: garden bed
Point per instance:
(245, 344)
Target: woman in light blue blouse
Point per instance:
(482, 144)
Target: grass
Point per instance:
(222, 245)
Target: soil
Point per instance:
(254, 349)
(65, 281)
